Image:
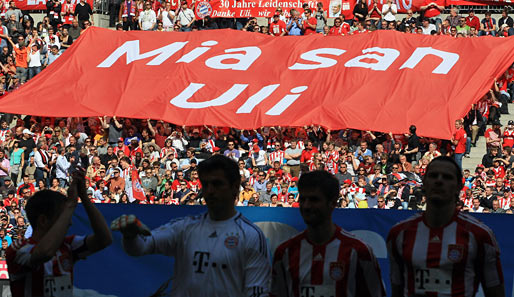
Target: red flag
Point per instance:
(380, 81)
(137, 190)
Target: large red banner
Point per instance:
(41, 4)
(380, 81)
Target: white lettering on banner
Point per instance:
(257, 98)
(43, 2)
(36, 2)
(449, 59)
(389, 56)
(131, 49)
(245, 60)
(228, 96)
(285, 102)
(197, 52)
(246, 56)
(323, 62)
(181, 100)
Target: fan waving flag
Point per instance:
(381, 81)
(137, 190)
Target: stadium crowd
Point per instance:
(375, 170)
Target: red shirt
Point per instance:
(308, 29)
(460, 135)
(433, 11)
(344, 266)
(508, 138)
(277, 28)
(341, 30)
(56, 274)
(464, 253)
(374, 12)
(473, 22)
(347, 9)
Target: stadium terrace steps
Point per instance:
(480, 150)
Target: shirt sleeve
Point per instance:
(278, 281)
(257, 266)
(163, 240)
(395, 264)
(370, 272)
(492, 270)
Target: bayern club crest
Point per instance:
(203, 9)
(336, 271)
(231, 242)
(455, 252)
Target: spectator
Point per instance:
(472, 21)
(459, 140)
(389, 11)
(488, 25)
(13, 10)
(340, 28)
(360, 11)
(427, 27)
(505, 19)
(185, 17)
(432, 10)
(277, 26)
(34, 60)
(463, 27)
(83, 12)
(375, 14)
(75, 29)
(454, 19)
(310, 23)
(147, 18)
(295, 25)
(166, 16)
(321, 18)
(127, 15)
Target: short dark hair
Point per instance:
(458, 172)
(44, 202)
(322, 180)
(225, 164)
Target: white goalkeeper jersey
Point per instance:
(212, 258)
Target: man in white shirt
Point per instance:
(62, 167)
(427, 27)
(167, 16)
(219, 253)
(389, 11)
(147, 19)
(185, 17)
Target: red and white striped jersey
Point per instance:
(2, 135)
(468, 201)
(447, 261)
(195, 186)
(168, 150)
(276, 156)
(504, 202)
(344, 266)
(54, 276)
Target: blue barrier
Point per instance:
(112, 272)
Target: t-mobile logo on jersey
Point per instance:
(201, 261)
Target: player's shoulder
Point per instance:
(248, 226)
(185, 222)
(404, 224)
(350, 240)
(471, 224)
(253, 235)
(284, 246)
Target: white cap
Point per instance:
(27, 131)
